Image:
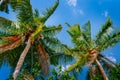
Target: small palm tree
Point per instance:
(30, 30)
(87, 51)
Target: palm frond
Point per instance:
(11, 57)
(3, 33)
(36, 13)
(23, 9)
(80, 62)
(106, 30)
(50, 11)
(10, 32)
(86, 28)
(65, 49)
(48, 49)
(8, 27)
(75, 33)
(78, 37)
(11, 45)
(5, 23)
(110, 41)
(51, 31)
(56, 46)
(76, 66)
(68, 24)
(60, 58)
(53, 43)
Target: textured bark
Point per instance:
(15, 42)
(43, 59)
(101, 70)
(93, 57)
(21, 59)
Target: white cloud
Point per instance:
(78, 11)
(105, 13)
(72, 3)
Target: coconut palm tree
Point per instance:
(30, 31)
(87, 51)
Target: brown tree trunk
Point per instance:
(21, 59)
(102, 70)
(93, 57)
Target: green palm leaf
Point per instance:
(110, 41)
(80, 37)
(51, 31)
(106, 30)
(8, 27)
(80, 62)
(4, 23)
(60, 58)
(24, 10)
(86, 28)
(49, 11)
(52, 42)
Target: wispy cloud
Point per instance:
(78, 11)
(105, 13)
(72, 3)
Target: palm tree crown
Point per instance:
(86, 50)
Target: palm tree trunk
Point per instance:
(21, 59)
(102, 70)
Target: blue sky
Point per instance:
(80, 11)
